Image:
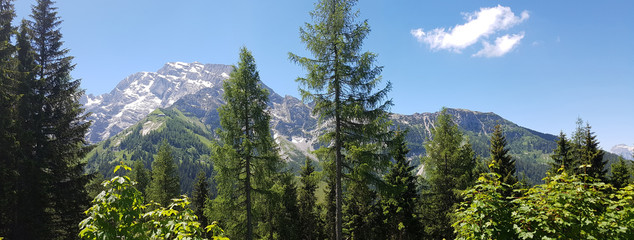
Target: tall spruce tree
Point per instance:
(341, 80)
(165, 180)
(307, 203)
(592, 162)
(53, 127)
(199, 196)
(562, 156)
(399, 204)
(246, 159)
(30, 216)
(8, 98)
(502, 162)
(620, 174)
(448, 170)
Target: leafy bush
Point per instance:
(565, 207)
(485, 213)
(119, 212)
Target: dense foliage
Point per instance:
(399, 203)
(449, 167)
(565, 207)
(246, 158)
(164, 184)
(309, 220)
(369, 187)
(501, 161)
(189, 143)
(342, 82)
(485, 213)
(42, 129)
(120, 212)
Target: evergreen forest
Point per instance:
(185, 181)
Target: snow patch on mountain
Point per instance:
(141, 93)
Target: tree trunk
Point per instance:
(247, 181)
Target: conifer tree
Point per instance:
(502, 162)
(246, 159)
(562, 156)
(165, 180)
(341, 80)
(620, 174)
(363, 216)
(199, 196)
(94, 186)
(8, 98)
(288, 216)
(449, 170)
(400, 202)
(307, 203)
(576, 143)
(592, 162)
(53, 127)
(141, 176)
(30, 216)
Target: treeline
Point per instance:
(190, 153)
(370, 188)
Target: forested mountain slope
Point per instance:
(189, 124)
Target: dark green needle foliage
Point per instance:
(141, 176)
(400, 201)
(48, 193)
(288, 215)
(307, 203)
(8, 99)
(165, 180)
(246, 159)
(448, 171)
(502, 162)
(95, 186)
(562, 156)
(200, 196)
(341, 81)
(592, 162)
(620, 174)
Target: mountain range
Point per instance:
(624, 151)
(178, 104)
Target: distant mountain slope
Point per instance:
(624, 151)
(188, 96)
(143, 92)
(190, 141)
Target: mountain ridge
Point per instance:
(127, 116)
(140, 93)
(624, 151)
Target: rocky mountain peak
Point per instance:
(139, 94)
(624, 151)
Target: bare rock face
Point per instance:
(141, 93)
(196, 91)
(624, 151)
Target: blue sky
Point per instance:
(540, 64)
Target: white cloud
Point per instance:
(480, 24)
(503, 45)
